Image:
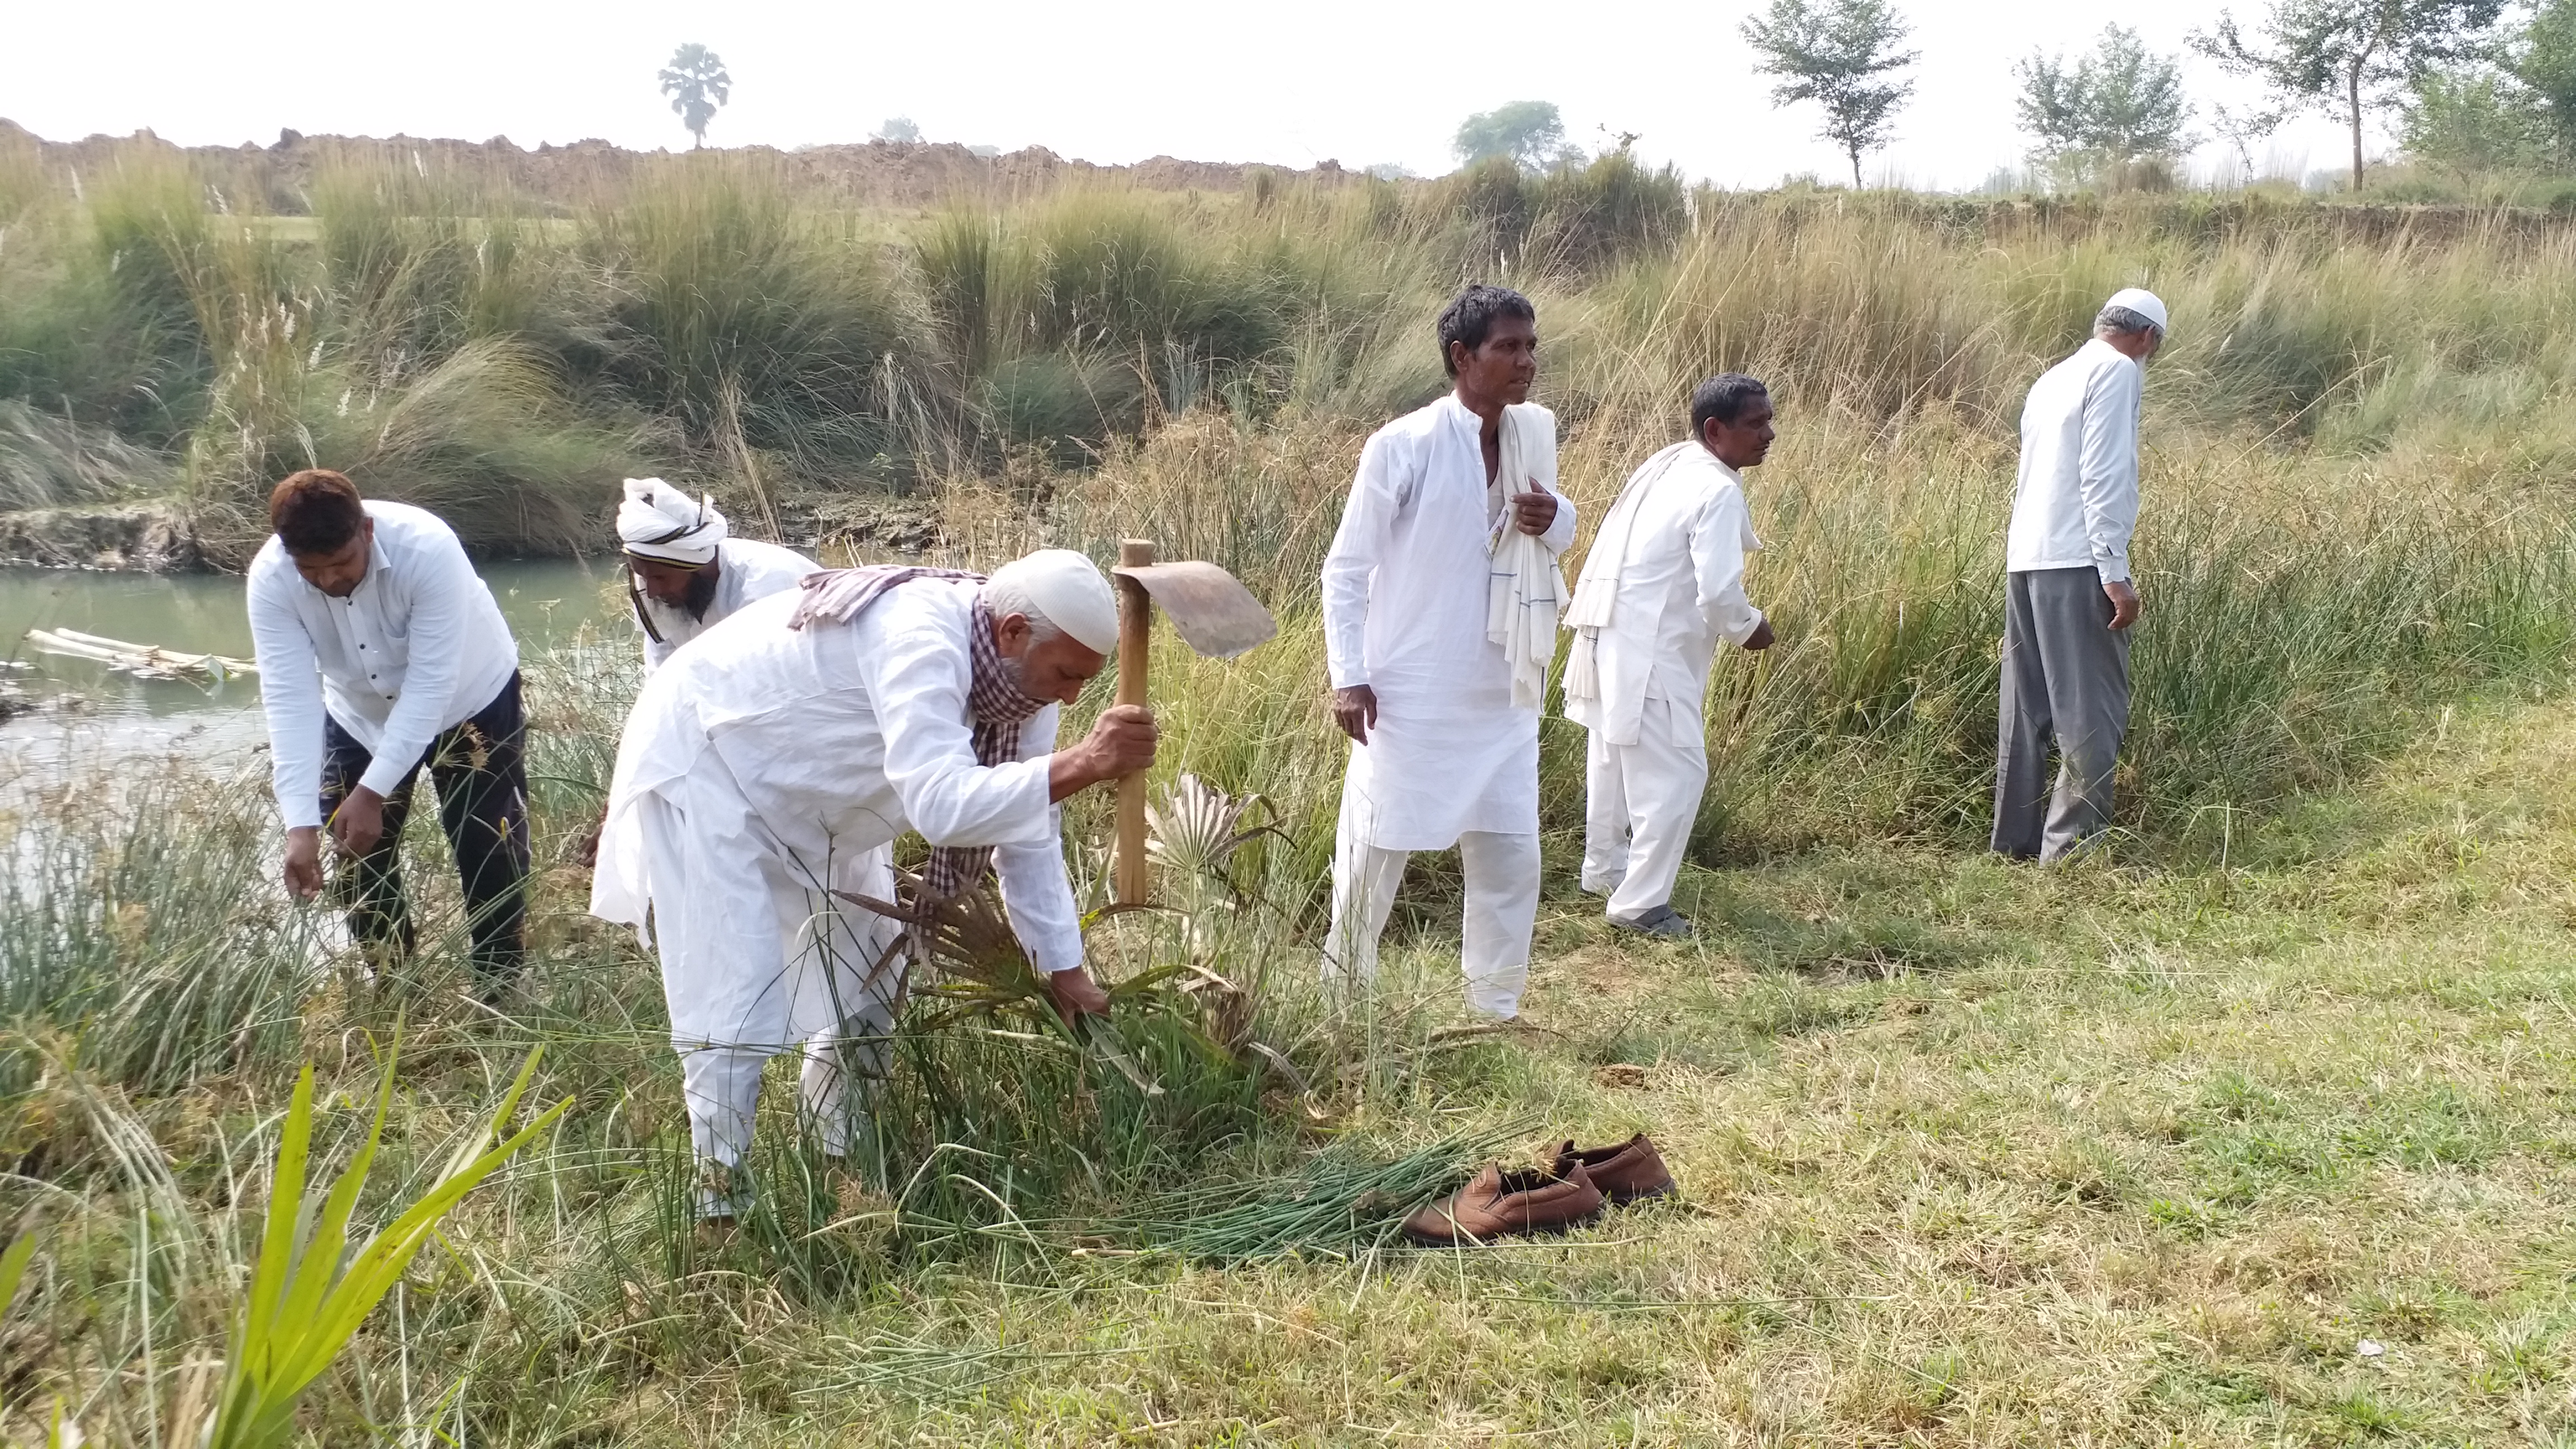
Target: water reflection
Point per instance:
(81, 707)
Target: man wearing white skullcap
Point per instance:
(770, 758)
(686, 571)
(2068, 598)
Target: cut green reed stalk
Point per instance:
(1344, 1202)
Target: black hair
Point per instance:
(1469, 318)
(1723, 398)
(316, 511)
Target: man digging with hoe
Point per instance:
(769, 762)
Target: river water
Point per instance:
(82, 709)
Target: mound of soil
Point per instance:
(278, 178)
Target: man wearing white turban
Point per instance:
(765, 762)
(1443, 725)
(2068, 598)
(685, 569)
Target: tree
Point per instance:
(899, 128)
(2512, 110)
(2544, 64)
(2348, 58)
(696, 82)
(1531, 133)
(1841, 55)
(2474, 120)
(2109, 111)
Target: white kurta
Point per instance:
(2076, 500)
(747, 571)
(1406, 605)
(797, 750)
(1672, 551)
(1666, 582)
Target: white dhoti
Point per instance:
(1383, 820)
(1452, 635)
(1494, 936)
(1641, 800)
(727, 895)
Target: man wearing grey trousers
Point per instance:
(2068, 599)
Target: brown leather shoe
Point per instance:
(1629, 1172)
(1498, 1203)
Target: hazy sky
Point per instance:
(1361, 81)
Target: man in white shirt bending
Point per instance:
(686, 571)
(1663, 584)
(1444, 747)
(774, 758)
(2068, 598)
(381, 651)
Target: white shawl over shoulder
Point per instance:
(1526, 590)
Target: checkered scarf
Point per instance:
(994, 700)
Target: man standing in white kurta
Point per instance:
(1444, 751)
(765, 764)
(1663, 584)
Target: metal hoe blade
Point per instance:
(1214, 613)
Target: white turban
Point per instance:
(1066, 588)
(659, 521)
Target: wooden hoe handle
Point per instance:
(1135, 640)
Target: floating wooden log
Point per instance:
(145, 661)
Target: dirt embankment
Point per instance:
(278, 178)
(151, 538)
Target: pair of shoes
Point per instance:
(1662, 921)
(1569, 1192)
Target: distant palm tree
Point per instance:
(696, 82)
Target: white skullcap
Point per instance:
(1068, 590)
(2141, 301)
(659, 521)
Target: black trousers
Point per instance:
(480, 769)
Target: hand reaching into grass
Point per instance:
(304, 862)
(359, 822)
(1076, 995)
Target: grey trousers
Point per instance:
(2066, 679)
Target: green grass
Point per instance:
(2138, 1150)
(2132, 1152)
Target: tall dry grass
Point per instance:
(2356, 512)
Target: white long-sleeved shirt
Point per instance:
(2076, 501)
(747, 571)
(1406, 610)
(418, 647)
(1680, 535)
(842, 737)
